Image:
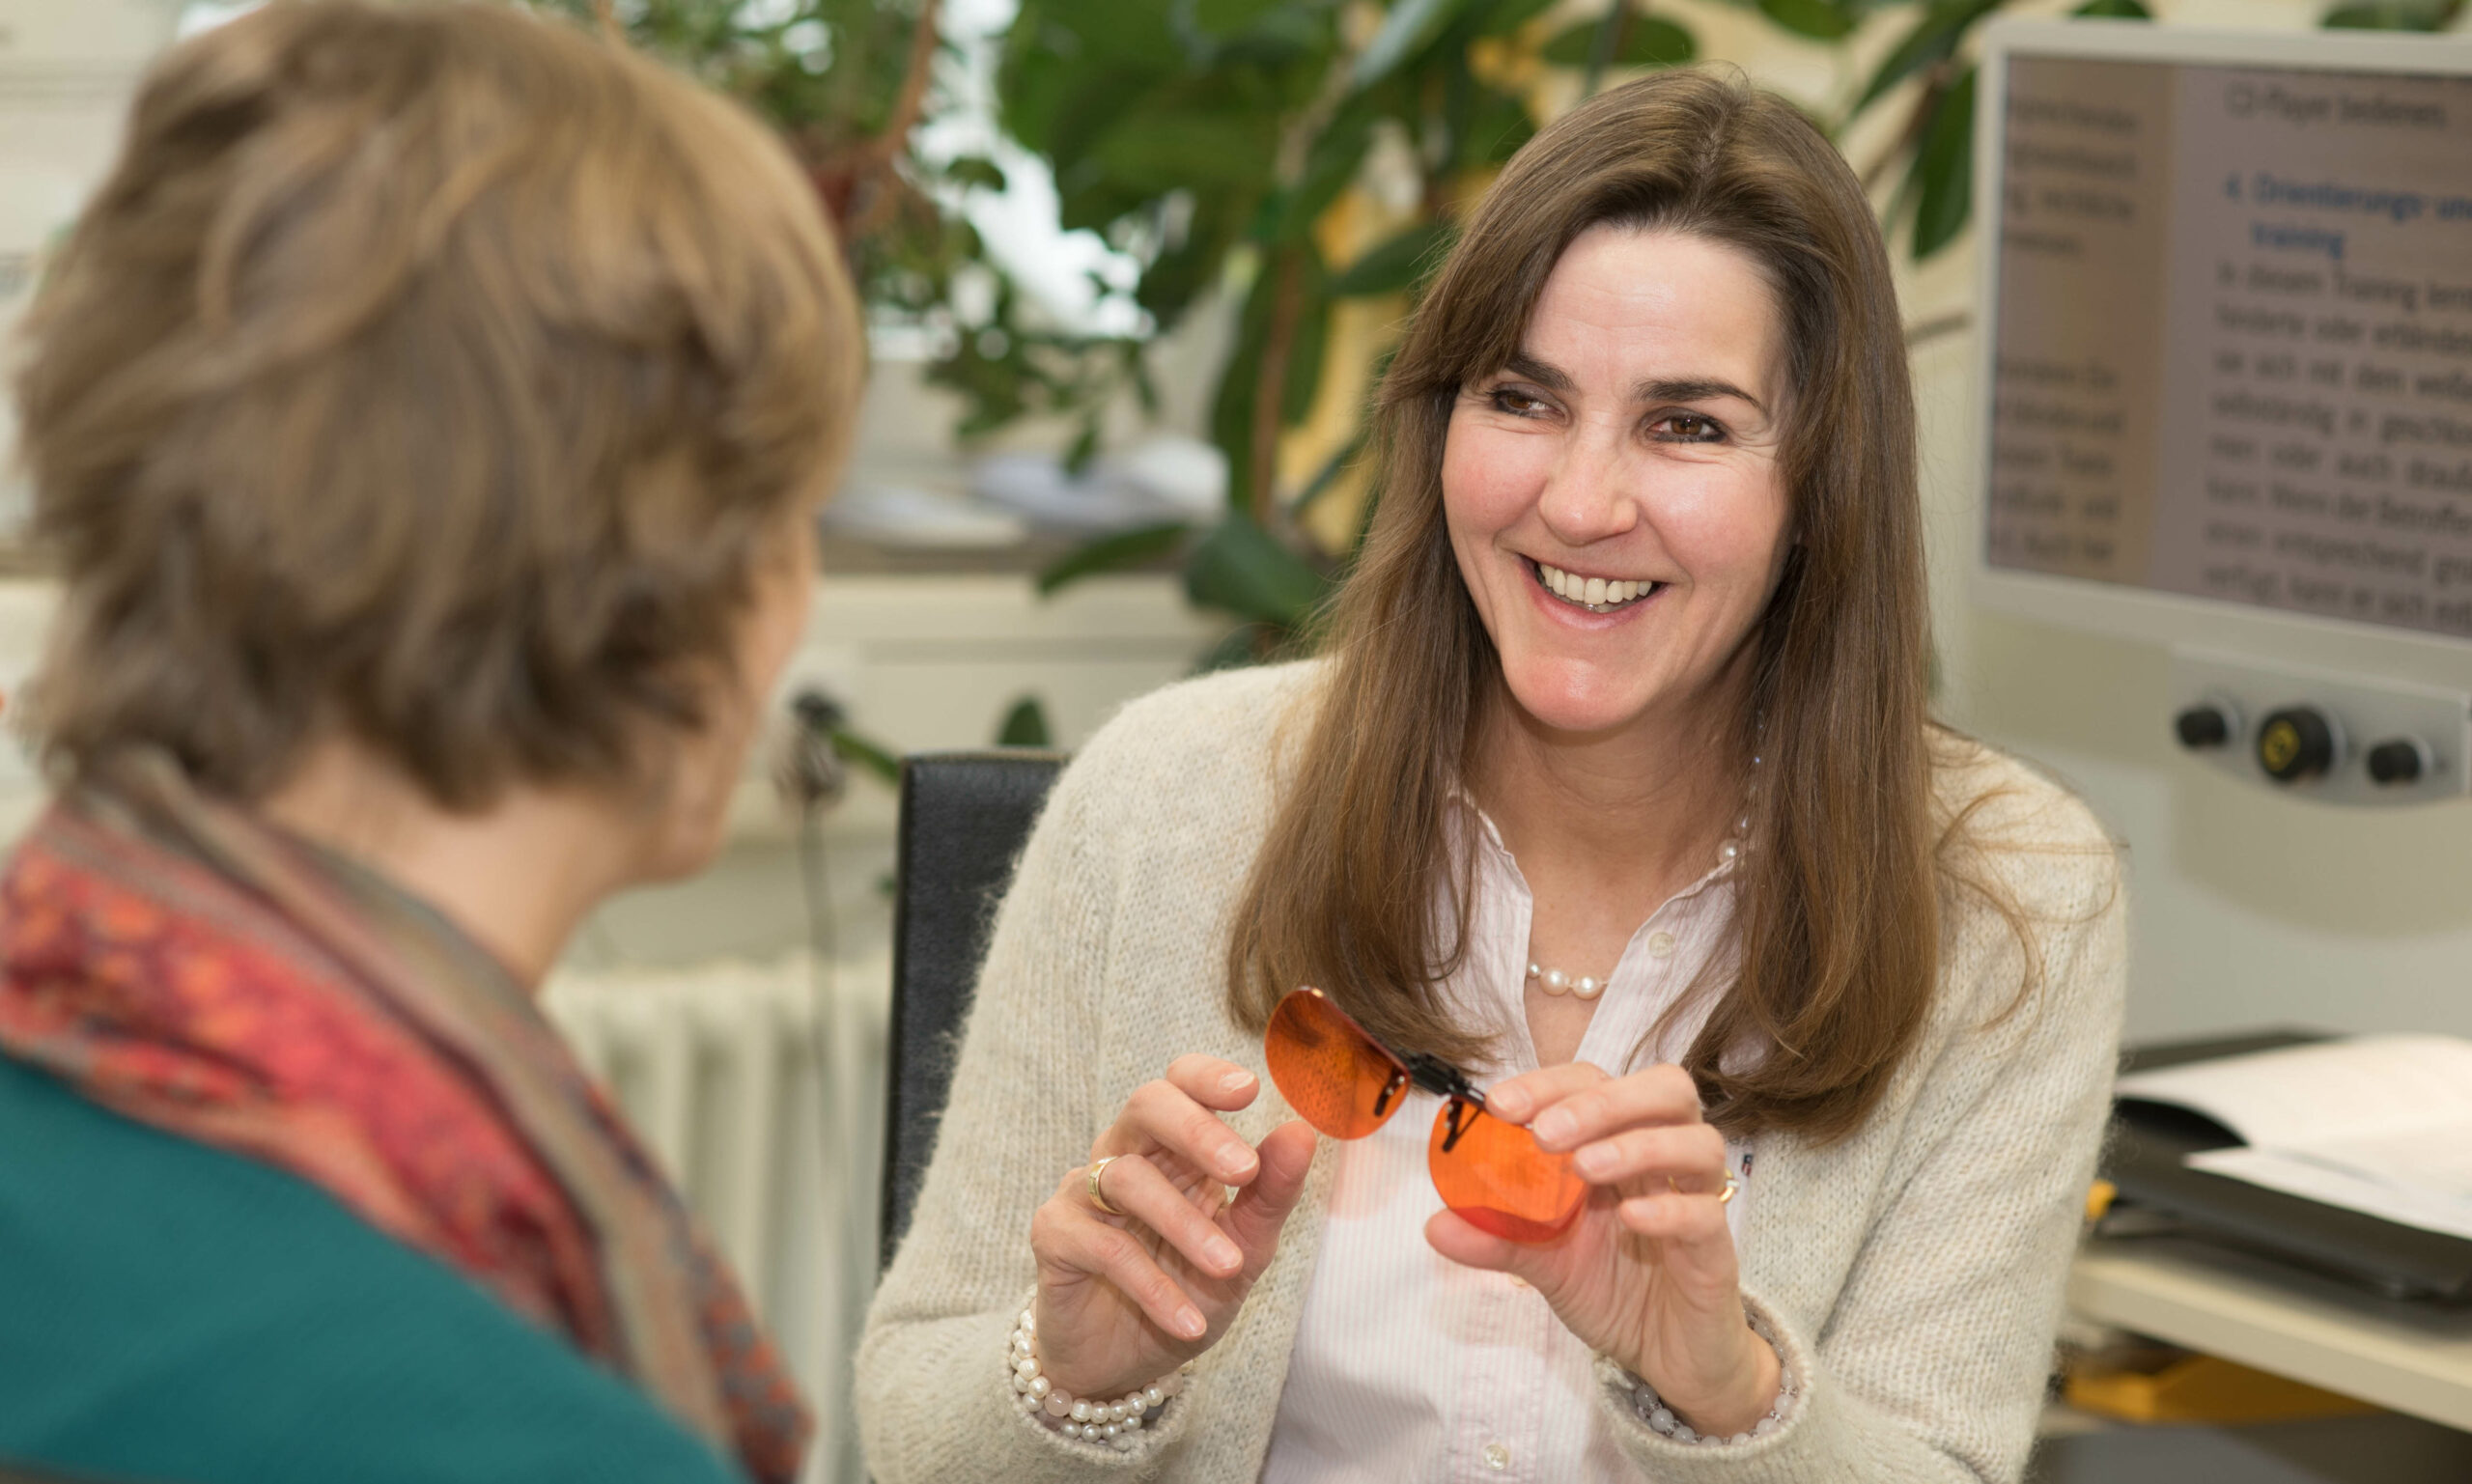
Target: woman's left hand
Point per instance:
(1647, 1273)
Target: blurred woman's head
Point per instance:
(1792, 562)
(444, 380)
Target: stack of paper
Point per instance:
(2375, 1123)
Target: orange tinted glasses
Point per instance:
(1344, 1082)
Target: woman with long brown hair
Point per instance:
(1770, 1025)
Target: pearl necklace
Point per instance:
(1554, 981)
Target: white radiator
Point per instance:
(759, 1087)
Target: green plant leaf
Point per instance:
(2393, 16)
(1307, 347)
(1086, 446)
(1025, 725)
(1394, 264)
(1500, 124)
(1933, 40)
(1237, 648)
(1943, 174)
(1158, 150)
(1822, 20)
(861, 752)
(1239, 567)
(1113, 552)
(1650, 40)
(1326, 477)
(1501, 17)
(1181, 274)
(1226, 18)
(1330, 167)
(1231, 403)
(975, 170)
(2115, 10)
(1405, 30)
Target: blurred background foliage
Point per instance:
(1303, 162)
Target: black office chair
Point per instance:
(965, 817)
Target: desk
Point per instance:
(2412, 1359)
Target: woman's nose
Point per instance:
(1590, 497)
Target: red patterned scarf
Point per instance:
(193, 968)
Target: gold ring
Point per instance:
(1727, 1193)
(1099, 1197)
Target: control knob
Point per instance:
(2205, 725)
(2296, 744)
(2398, 761)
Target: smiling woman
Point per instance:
(1616, 848)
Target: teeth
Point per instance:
(1597, 593)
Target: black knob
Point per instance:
(2294, 743)
(2398, 761)
(2201, 726)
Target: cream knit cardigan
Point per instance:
(1911, 1273)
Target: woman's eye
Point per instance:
(1688, 428)
(1516, 402)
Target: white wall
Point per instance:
(66, 69)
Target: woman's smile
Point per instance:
(1594, 595)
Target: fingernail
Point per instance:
(1508, 1102)
(1237, 1160)
(1235, 1081)
(1219, 1252)
(1188, 1322)
(1556, 1125)
(1595, 1161)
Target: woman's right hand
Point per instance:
(1124, 1300)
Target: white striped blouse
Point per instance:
(1410, 1368)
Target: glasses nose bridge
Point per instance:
(1440, 1078)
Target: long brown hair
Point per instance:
(1838, 914)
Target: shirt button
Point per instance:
(1497, 1457)
(1661, 944)
(1516, 1281)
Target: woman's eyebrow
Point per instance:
(1554, 378)
(1692, 389)
(1544, 373)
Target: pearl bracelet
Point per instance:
(1651, 1408)
(1109, 1424)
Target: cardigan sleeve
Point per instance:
(935, 1398)
(1932, 1367)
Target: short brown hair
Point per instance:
(437, 372)
(1838, 916)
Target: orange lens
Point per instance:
(1495, 1177)
(1329, 1070)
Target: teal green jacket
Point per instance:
(170, 1312)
